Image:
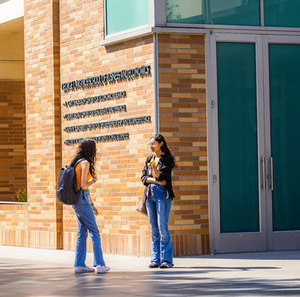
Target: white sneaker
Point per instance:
(82, 269)
(102, 269)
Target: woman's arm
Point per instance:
(152, 180)
(85, 167)
(165, 169)
(146, 179)
(145, 175)
(155, 170)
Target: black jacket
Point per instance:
(164, 166)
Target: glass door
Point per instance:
(238, 164)
(254, 140)
(282, 55)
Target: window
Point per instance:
(282, 13)
(13, 179)
(124, 15)
(229, 12)
(239, 200)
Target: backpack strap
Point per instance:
(80, 160)
(76, 164)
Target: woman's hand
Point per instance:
(162, 183)
(95, 178)
(95, 209)
(151, 164)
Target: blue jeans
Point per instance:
(86, 221)
(158, 208)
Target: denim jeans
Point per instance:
(158, 207)
(86, 222)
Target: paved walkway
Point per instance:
(35, 272)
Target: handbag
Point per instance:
(141, 208)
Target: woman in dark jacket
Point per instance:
(159, 194)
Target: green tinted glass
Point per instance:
(123, 15)
(238, 158)
(285, 134)
(229, 12)
(282, 13)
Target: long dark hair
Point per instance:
(164, 148)
(86, 150)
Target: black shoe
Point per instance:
(165, 265)
(153, 265)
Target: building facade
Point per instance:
(219, 81)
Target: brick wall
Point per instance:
(12, 139)
(43, 122)
(38, 224)
(58, 53)
(13, 156)
(119, 163)
(182, 117)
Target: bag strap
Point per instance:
(80, 160)
(76, 164)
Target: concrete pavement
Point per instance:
(39, 273)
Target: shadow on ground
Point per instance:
(32, 280)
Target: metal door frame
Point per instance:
(278, 240)
(233, 242)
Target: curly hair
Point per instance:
(86, 150)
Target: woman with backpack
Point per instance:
(85, 209)
(158, 194)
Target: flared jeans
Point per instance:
(158, 207)
(86, 222)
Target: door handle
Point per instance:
(271, 174)
(263, 172)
